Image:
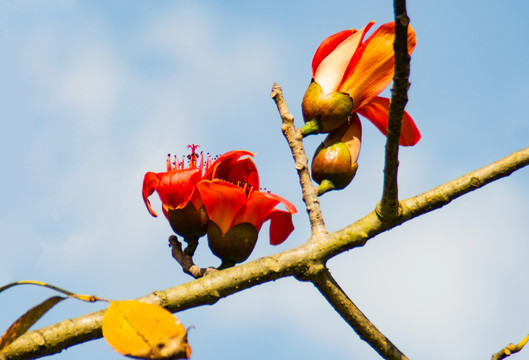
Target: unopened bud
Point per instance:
(324, 113)
(335, 162)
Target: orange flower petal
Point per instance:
(377, 112)
(280, 226)
(330, 72)
(371, 69)
(222, 201)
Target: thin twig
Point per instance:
(388, 207)
(510, 349)
(294, 139)
(186, 261)
(339, 300)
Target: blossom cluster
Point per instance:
(220, 198)
(348, 74)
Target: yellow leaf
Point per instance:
(24, 322)
(146, 331)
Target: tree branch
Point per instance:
(294, 139)
(358, 233)
(388, 208)
(186, 261)
(297, 261)
(510, 349)
(334, 294)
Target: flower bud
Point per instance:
(233, 247)
(324, 113)
(335, 162)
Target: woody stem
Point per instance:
(192, 243)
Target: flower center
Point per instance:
(246, 187)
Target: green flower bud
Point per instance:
(335, 162)
(324, 113)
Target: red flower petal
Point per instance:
(150, 181)
(260, 208)
(221, 167)
(330, 72)
(242, 171)
(371, 69)
(222, 201)
(176, 187)
(280, 226)
(377, 112)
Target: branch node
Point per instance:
(387, 216)
(403, 19)
(475, 182)
(162, 296)
(299, 165)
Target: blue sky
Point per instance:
(95, 93)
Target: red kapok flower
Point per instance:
(237, 211)
(181, 202)
(348, 74)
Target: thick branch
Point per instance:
(297, 261)
(388, 207)
(334, 294)
(294, 138)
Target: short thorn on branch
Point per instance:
(186, 260)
